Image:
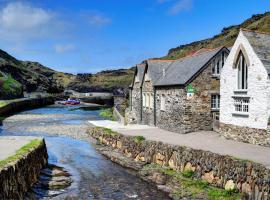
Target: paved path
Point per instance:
(204, 140)
(10, 144)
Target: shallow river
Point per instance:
(93, 176)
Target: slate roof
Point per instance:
(155, 69)
(260, 43)
(139, 71)
(182, 70)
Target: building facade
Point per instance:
(245, 90)
(182, 95)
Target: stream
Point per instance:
(92, 175)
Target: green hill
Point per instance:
(260, 22)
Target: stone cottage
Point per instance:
(182, 95)
(245, 90)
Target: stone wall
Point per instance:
(133, 113)
(24, 104)
(250, 178)
(173, 117)
(184, 115)
(18, 177)
(246, 134)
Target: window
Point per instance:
(242, 72)
(144, 100)
(148, 100)
(152, 101)
(218, 63)
(162, 102)
(215, 101)
(241, 104)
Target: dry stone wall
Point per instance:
(250, 178)
(18, 177)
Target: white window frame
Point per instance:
(152, 101)
(241, 104)
(144, 100)
(162, 102)
(242, 72)
(215, 101)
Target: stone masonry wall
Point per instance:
(133, 113)
(182, 115)
(18, 177)
(198, 110)
(252, 179)
(246, 134)
(173, 117)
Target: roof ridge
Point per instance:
(160, 60)
(253, 31)
(193, 55)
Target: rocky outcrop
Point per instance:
(18, 177)
(250, 178)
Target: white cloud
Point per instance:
(20, 22)
(17, 16)
(181, 5)
(61, 48)
(95, 18)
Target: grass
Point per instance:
(107, 113)
(138, 139)
(21, 152)
(188, 186)
(9, 87)
(107, 131)
(3, 103)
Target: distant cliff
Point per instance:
(16, 75)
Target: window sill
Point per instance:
(240, 91)
(215, 109)
(216, 76)
(241, 114)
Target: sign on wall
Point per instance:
(190, 92)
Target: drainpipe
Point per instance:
(141, 104)
(155, 110)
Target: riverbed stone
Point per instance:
(230, 185)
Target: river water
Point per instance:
(93, 176)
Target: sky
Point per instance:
(87, 36)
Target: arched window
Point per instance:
(242, 71)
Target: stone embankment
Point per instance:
(249, 178)
(18, 105)
(21, 171)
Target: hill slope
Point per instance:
(260, 22)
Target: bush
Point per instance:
(10, 88)
(138, 139)
(107, 113)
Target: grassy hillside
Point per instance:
(227, 36)
(9, 88)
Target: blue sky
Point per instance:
(91, 35)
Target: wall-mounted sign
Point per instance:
(190, 92)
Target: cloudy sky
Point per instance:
(91, 35)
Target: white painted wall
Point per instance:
(258, 89)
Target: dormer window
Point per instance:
(137, 79)
(218, 63)
(242, 72)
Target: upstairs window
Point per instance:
(162, 102)
(215, 101)
(242, 72)
(144, 100)
(218, 63)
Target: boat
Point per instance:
(72, 101)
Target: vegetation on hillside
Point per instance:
(227, 36)
(9, 87)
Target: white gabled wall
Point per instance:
(258, 89)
